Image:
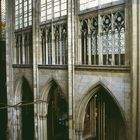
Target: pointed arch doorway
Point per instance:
(57, 117)
(103, 119)
(27, 111)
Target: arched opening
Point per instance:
(103, 119)
(84, 41)
(27, 112)
(57, 118)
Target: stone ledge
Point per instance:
(22, 65)
(103, 68)
(53, 66)
(78, 67)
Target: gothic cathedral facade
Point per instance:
(73, 69)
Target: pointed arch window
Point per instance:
(107, 47)
(103, 119)
(57, 119)
(94, 44)
(27, 112)
(43, 41)
(103, 39)
(49, 38)
(119, 27)
(54, 52)
(64, 45)
(57, 47)
(23, 48)
(84, 41)
(18, 49)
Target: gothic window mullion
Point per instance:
(66, 50)
(44, 42)
(48, 40)
(94, 50)
(79, 49)
(28, 53)
(64, 46)
(99, 40)
(60, 45)
(113, 40)
(20, 51)
(56, 49)
(82, 46)
(119, 49)
(85, 46)
(29, 47)
(89, 42)
(63, 51)
(49, 48)
(47, 45)
(84, 42)
(57, 46)
(43, 47)
(49, 58)
(23, 48)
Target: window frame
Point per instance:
(109, 10)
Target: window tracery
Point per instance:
(107, 39)
(23, 48)
(103, 39)
(119, 27)
(54, 49)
